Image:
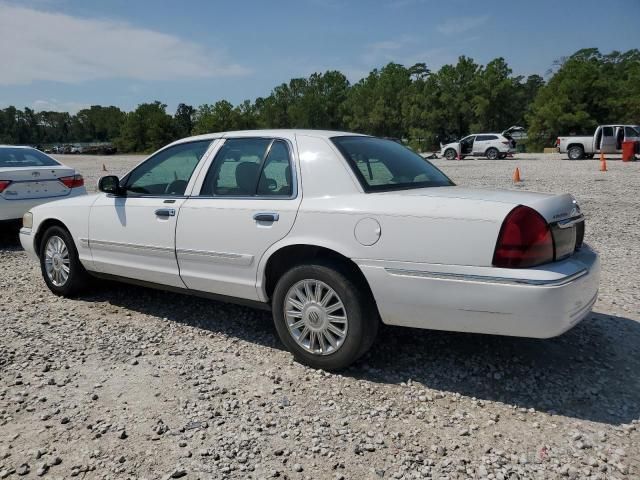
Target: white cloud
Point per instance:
(54, 105)
(459, 25)
(38, 45)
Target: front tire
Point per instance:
(61, 269)
(324, 316)
(492, 153)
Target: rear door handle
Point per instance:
(266, 217)
(166, 212)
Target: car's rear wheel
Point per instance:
(575, 153)
(450, 154)
(61, 269)
(324, 316)
(492, 153)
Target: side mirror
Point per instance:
(109, 184)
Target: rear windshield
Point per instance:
(25, 157)
(383, 165)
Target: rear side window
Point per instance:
(247, 167)
(484, 138)
(383, 165)
(25, 157)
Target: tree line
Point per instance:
(415, 104)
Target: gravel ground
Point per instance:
(127, 382)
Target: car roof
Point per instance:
(277, 132)
(26, 147)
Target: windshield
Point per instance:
(24, 157)
(383, 165)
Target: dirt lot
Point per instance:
(127, 382)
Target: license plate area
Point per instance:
(567, 237)
(28, 190)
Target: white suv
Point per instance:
(490, 145)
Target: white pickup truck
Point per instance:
(606, 139)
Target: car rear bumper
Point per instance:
(538, 302)
(15, 209)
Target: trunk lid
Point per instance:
(561, 211)
(552, 207)
(35, 182)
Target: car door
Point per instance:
(247, 200)
(133, 235)
(480, 144)
(608, 142)
(466, 145)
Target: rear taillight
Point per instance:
(73, 181)
(557, 142)
(524, 240)
(505, 143)
(4, 184)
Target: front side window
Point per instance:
(630, 132)
(247, 167)
(383, 165)
(168, 172)
(25, 157)
(607, 131)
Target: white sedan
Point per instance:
(29, 177)
(333, 232)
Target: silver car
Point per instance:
(29, 177)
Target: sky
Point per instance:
(66, 55)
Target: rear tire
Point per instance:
(575, 152)
(450, 154)
(492, 153)
(329, 337)
(61, 269)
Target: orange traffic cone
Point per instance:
(603, 162)
(516, 176)
(104, 167)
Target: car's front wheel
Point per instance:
(61, 269)
(324, 316)
(450, 154)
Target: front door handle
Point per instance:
(266, 217)
(166, 212)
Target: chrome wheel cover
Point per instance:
(316, 317)
(56, 261)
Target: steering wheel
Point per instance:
(271, 184)
(177, 187)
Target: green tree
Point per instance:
(146, 129)
(219, 117)
(587, 89)
(183, 120)
(374, 104)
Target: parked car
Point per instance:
(606, 139)
(330, 231)
(490, 145)
(29, 177)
